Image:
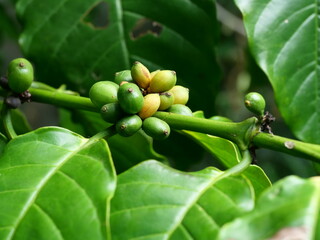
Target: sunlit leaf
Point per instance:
(55, 184)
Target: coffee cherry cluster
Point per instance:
(136, 95)
(18, 80)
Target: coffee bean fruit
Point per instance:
(20, 75)
(166, 100)
(123, 76)
(141, 75)
(111, 112)
(103, 92)
(255, 103)
(156, 128)
(150, 106)
(129, 125)
(181, 94)
(180, 109)
(163, 81)
(130, 98)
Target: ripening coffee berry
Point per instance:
(141, 75)
(130, 98)
(20, 75)
(181, 94)
(166, 100)
(180, 109)
(163, 81)
(111, 112)
(103, 92)
(150, 106)
(255, 103)
(123, 76)
(129, 125)
(156, 128)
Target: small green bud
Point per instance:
(20, 75)
(255, 103)
(220, 118)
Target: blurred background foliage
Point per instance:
(239, 75)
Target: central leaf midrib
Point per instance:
(42, 183)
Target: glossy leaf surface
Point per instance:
(227, 153)
(289, 210)
(55, 185)
(60, 37)
(167, 204)
(284, 38)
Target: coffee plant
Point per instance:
(141, 151)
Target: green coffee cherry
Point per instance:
(103, 92)
(163, 81)
(180, 109)
(141, 75)
(111, 112)
(156, 128)
(166, 100)
(181, 94)
(129, 125)
(20, 75)
(130, 98)
(124, 75)
(220, 118)
(255, 103)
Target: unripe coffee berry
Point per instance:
(20, 75)
(130, 98)
(255, 103)
(103, 92)
(129, 125)
(156, 128)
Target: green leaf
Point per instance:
(3, 142)
(55, 184)
(284, 38)
(288, 210)
(167, 204)
(228, 155)
(126, 151)
(177, 34)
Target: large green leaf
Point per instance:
(289, 210)
(284, 38)
(126, 151)
(227, 153)
(67, 47)
(154, 201)
(55, 184)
